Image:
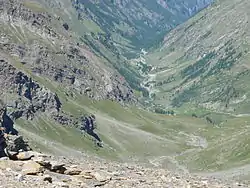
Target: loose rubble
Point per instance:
(93, 174)
(32, 169)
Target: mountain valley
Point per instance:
(162, 84)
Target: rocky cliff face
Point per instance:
(30, 96)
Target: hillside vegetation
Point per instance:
(69, 83)
(204, 62)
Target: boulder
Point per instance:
(66, 26)
(13, 165)
(61, 184)
(4, 158)
(32, 168)
(19, 177)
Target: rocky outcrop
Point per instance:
(32, 97)
(88, 125)
(10, 143)
(6, 123)
(13, 146)
(16, 11)
(16, 143)
(65, 119)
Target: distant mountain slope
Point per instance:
(140, 23)
(206, 60)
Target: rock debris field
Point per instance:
(33, 169)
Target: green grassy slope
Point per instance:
(202, 68)
(196, 72)
(205, 61)
(177, 142)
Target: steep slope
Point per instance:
(44, 68)
(204, 62)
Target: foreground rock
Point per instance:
(25, 168)
(46, 171)
(32, 168)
